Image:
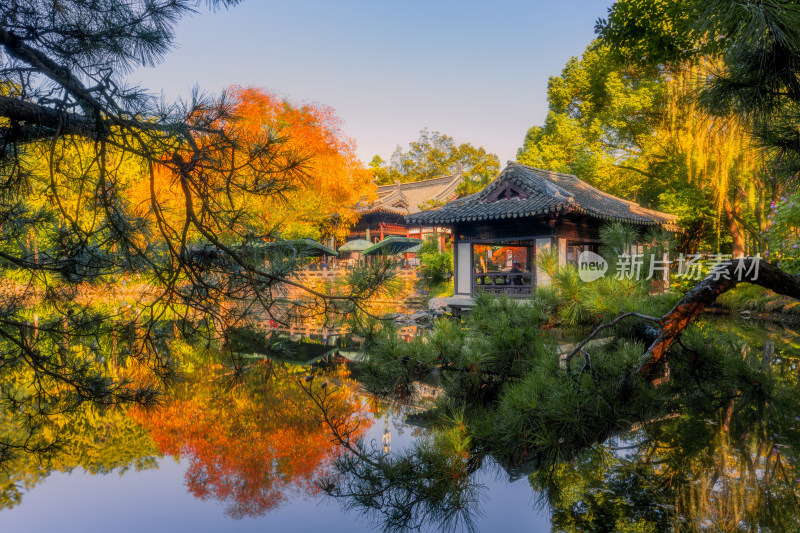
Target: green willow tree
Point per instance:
(757, 44)
(747, 52)
(637, 130)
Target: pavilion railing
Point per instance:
(395, 229)
(514, 284)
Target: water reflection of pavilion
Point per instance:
(280, 346)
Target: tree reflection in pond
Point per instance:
(715, 449)
(47, 421)
(720, 454)
(254, 438)
(725, 459)
(79, 365)
(430, 486)
(685, 474)
(251, 433)
(97, 441)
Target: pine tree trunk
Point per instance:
(706, 291)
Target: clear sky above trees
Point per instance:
(474, 70)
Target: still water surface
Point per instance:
(245, 454)
(158, 500)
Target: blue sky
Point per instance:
(476, 71)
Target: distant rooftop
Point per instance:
(405, 198)
(522, 191)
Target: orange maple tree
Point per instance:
(295, 173)
(253, 444)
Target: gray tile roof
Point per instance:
(547, 193)
(405, 198)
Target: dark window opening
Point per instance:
(575, 249)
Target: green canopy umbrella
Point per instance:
(393, 245)
(304, 247)
(358, 245)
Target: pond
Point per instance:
(161, 498)
(255, 444)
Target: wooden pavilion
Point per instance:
(526, 211)
(386, 215)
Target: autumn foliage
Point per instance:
(293, 173)
(254, 443)
(330, 179)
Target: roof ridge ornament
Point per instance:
(537, 180)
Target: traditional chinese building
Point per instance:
(525, 211)
(386, 215)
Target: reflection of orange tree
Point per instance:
(254, 440)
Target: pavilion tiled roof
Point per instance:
(543, 192)
(405, 198)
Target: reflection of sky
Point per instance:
(157, 500)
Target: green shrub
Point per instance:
(436, 267)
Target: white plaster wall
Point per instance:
(464, 273)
